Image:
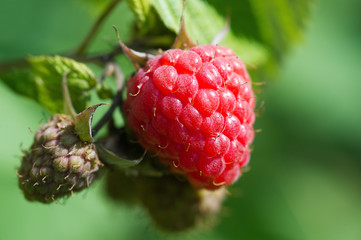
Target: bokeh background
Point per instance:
(305, 173)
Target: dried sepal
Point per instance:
(183, 41)
(83, 123)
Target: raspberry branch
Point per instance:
(94, 30)
(117, 100)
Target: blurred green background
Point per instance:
(305, 178)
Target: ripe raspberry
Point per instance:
(58, 163)
(194, 110)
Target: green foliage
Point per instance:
(114, 159)
(280, 22)
(203, 23)
(261, 31)
(42, 82)
(305, 173)
(95, 6)
(141, 9)
(22, 81)
(104, 91)
(83, 123)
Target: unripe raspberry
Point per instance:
(121, 187)
(176, 206)
(58, 163)
(194, 109)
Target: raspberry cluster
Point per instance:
(194, 110)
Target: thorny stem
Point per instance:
(117, 100)
(99, 59)
(94, 30)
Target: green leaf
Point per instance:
(141, 9)
(48, 72)
(83, 122)
(144, 14)
(22, 81)
(104, 91)
(280, 22)
(203, 23)
(110, 157)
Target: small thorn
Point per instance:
(218, 184)
(245, 82)
(137, 93)
(71, 188)
(164, 146)
(53, 198)
(224, 127)
(259, 83)
(214, 155)
(51, 147)
(43, 179)
(35, 163)
(58, 188)
(231, 162)
(187, 149)
(251, 65)
(18, 174)
(33, 149)
(35, 184)
(179, 122)
(176, 165)
(215, 135)
(257, 130)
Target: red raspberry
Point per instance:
(194, 110)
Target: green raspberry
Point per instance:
(58, 163)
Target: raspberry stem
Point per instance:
(117, 100)
(68, 105)
(94, 30)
